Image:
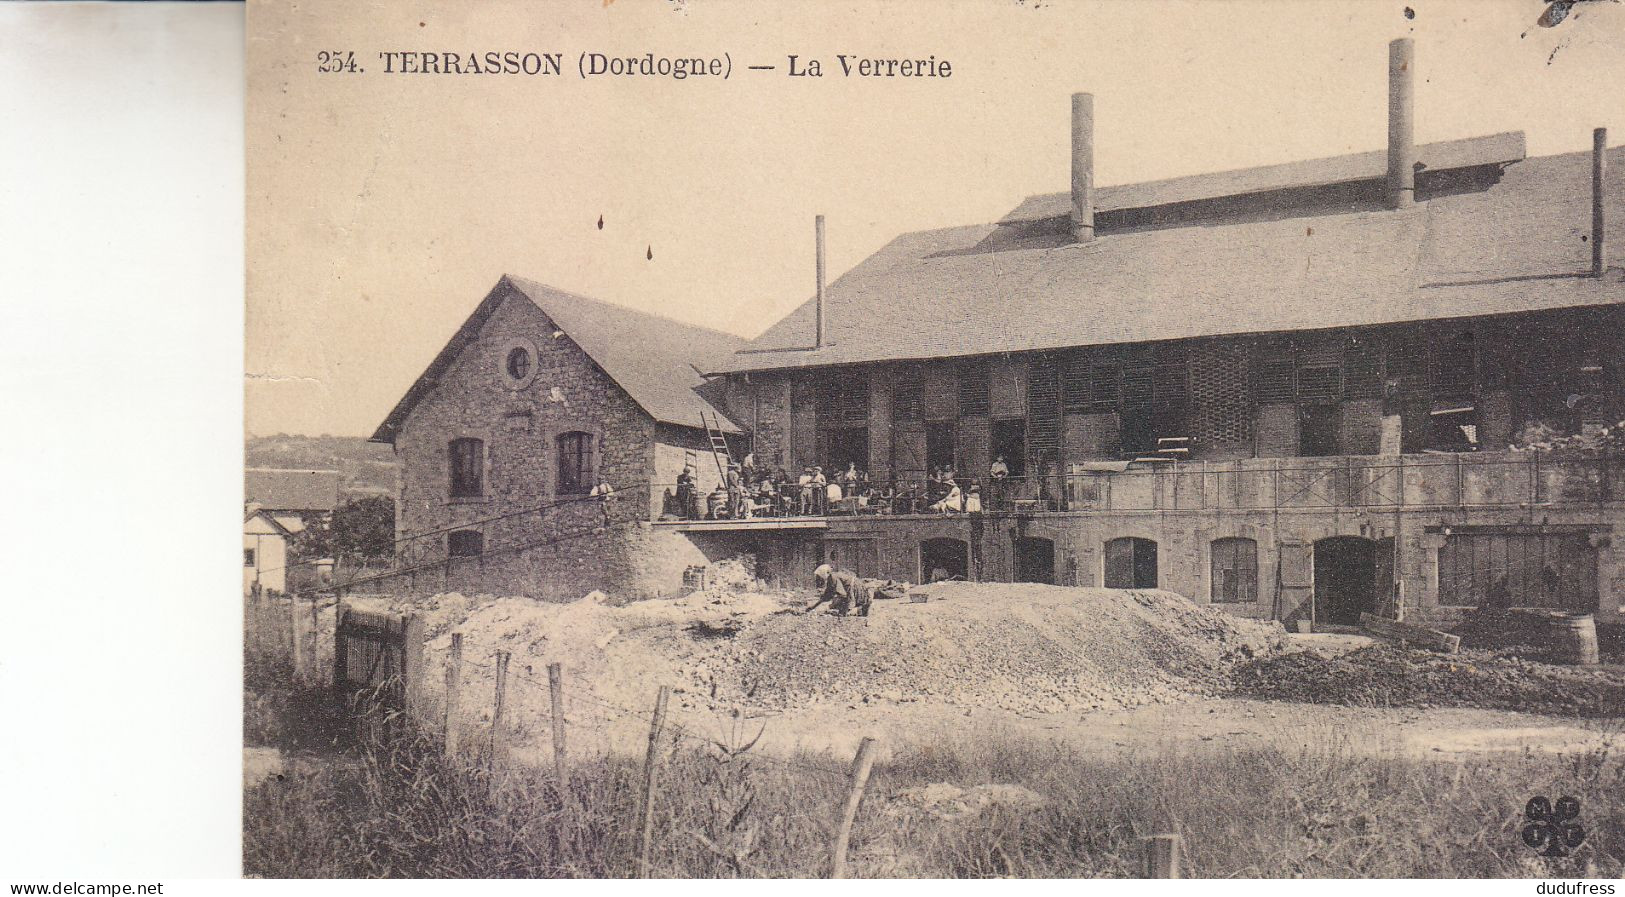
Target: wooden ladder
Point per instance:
(719, 442)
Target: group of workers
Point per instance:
(746, 492)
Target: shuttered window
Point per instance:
(1235, 570)
(467, 468)
(575, 463)
(973, 389)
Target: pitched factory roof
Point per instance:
(1495, 236)
(291, 490)
(656, 360)
(1443, 156)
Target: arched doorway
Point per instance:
(1345, 579)
(944, 558)
(1131, 563)
(1035, 560)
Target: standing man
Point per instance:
(685, 493)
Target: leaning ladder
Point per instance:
(719, 442)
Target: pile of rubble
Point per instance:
(1384, 675)
(1018, 647)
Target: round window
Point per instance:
(518, 363)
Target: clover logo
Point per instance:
(1554, 831)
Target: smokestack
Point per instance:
(1083, 167)
(818, 326)
(1599, 171)
(1401, 123)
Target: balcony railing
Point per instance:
(1363, 482)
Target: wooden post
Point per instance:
(293, 630)
(649, 761)
(315, 634)
(860, 779)
(454, 682)
(555, 688)
(340, 611)
(496, 714)
(1162, 856)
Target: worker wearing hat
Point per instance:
(842, 589)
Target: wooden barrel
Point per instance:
(1573, 639)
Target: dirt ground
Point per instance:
(1193, 723)
(1113, 671)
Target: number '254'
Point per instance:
(336, 61)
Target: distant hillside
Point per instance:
(368, 468)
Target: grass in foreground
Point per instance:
(724, 811)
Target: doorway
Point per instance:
(1035, 560)
(939, 445)
(1131, 564)
(1010, 443)
(1345, 579)
(944, 558)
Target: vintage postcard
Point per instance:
(932, 440)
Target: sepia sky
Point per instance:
(381, 208)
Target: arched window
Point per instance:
(467, 468)
(465, 543)
(1235, 570)
(575, 463)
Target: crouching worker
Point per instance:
(842, 589)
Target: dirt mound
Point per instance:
(1389, 676)
(1019, 647)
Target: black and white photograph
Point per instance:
(980, 439)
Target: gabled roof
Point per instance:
(656, 360)
(291, 490)
(1488, 239)
(264, 516)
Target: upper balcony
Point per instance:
(1413, 482)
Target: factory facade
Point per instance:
(1380, 382)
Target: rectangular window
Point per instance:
(467, 468)
(1235, 570)
(974, 389)
(248, 557)
(1319, 428)
(1543, 570)
(575, 463)
(465, 543)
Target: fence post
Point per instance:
(555, 688)
(1162, 856)
(860, 780)
(293, 634)
(648, 814)
(496, 713)
(340, 649)
(412, 667)
(454, 682)
(315, 636)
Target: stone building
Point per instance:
(1290, 390)
(540, 397)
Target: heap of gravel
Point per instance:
(1385, 675)
(1017, 647)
